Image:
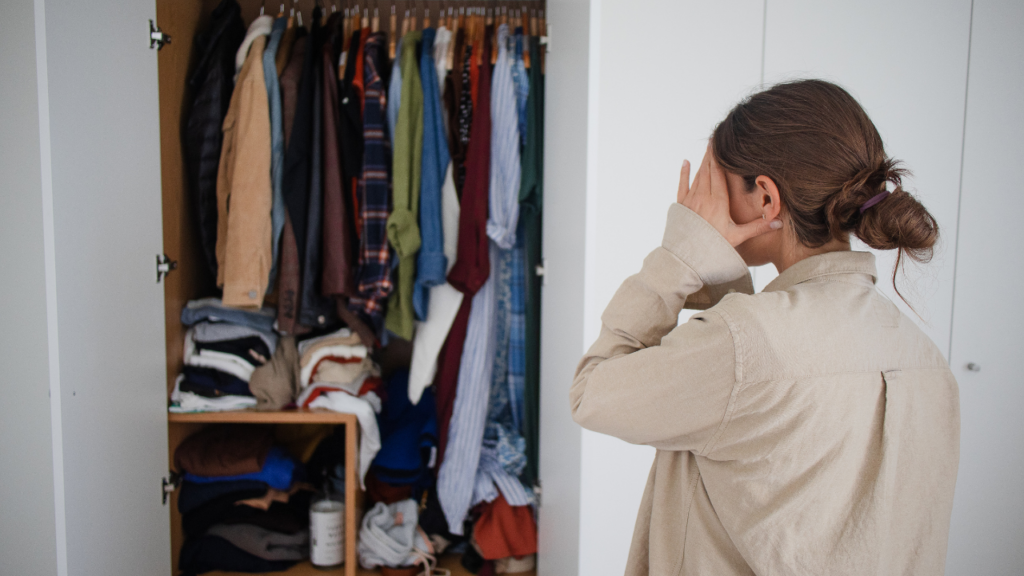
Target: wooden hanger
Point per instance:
(392, 29)
(415, 19)
(375, 22)
(453, 25)
(426, 18)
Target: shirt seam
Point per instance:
(686, 524)
(734, 394)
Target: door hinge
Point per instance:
(169, 483)
(542, 271)
(545, 40)
(164, 265)
(157, 38)
(537, 493)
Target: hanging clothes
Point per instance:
(403, 230)
(531, 195)
(315, 309)
(339, 258)
(374, 274)
(501, 439)
(211, 83)
(445, 301)
(431, 263)
(244, 190)
(289, 268)
(457, 475)
(452, 89)
(277, 209)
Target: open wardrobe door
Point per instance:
(100, 145)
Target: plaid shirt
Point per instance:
(374, 255)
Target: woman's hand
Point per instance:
(709, 198)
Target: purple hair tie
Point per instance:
(874, 200)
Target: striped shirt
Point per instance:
(505, 168)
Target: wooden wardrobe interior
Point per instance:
(182, 19)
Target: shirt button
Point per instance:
(344, 100)
(252, 294)
(321, 319)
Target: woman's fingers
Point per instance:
(719, 187)
(684, 182)
(743, 232)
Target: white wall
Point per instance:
(27, 525)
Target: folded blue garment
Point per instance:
(277, 472)
(212, 310)
(192, 495)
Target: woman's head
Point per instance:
(809, 145)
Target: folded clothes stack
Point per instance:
(223, 347)
(243, 503)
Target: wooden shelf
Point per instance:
(449, 561)
(300, 416)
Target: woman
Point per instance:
(808, 429)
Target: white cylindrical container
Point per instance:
(327, 533)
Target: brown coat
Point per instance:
(809, 429)
(244, 192)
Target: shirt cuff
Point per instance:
(695, 241)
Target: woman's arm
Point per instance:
(647, 381)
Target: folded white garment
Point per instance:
(305, 344)
(369, 438)
(341, 351)
(182, 402)
(370, 397)
(222, 361)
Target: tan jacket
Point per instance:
(809, 429)
(244, 192)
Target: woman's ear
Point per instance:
(768, 198)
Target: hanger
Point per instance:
(392, 28)
(298, 17)
(375, 23)
(415, 13)
(426, 18)
(262, 6)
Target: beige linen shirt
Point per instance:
(808, 429)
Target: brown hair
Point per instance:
(824, 154)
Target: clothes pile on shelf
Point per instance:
(243, 502)
(389, 183)
(223, 347)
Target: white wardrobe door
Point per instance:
(988, 320)
(104, 148)
(906, 62)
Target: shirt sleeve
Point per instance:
(646, 380)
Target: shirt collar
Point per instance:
(828, 264)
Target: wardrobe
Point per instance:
(182, 262)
